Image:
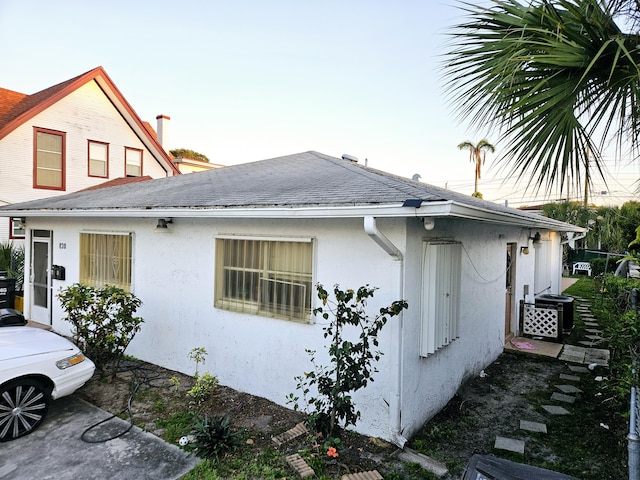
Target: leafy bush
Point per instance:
(599, 264)
(212, 436)
(12, 262)
(103, 322)
(351, 362)
(204, 386)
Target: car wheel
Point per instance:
(23, 406)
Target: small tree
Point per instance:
(351, 361)
(190, 154)
(103, 322)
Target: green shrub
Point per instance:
(204, 386)
(12, 262)
(598, 266)
(103, 322)
(352, 362)
(212, 436)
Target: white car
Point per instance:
(36, 366)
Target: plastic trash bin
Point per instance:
(11, 318)
(567, 307)
(7, 292)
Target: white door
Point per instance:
(40, 276)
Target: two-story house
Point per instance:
(75, 135)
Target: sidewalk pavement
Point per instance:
(56, 451)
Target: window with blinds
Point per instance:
(264, 277)
(49, 159)
(133, 162)
(105, 260)
(98, 159)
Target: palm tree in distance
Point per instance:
(559, 79)
(477, 155)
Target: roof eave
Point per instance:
(437, 209)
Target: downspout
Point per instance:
(395, 402)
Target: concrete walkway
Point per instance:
(55, 450)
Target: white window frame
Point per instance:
(17, 228)
(133, 165)
(94, 161)
(256, 285)
(440, 299)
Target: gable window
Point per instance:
(264, 277)
(441, 268)
(133, 162)
(16, 228)
(105, 259)
(98, 159)
(49, 159)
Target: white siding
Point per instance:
(85, 114)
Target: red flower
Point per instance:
(332, 452)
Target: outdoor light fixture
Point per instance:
(524, 250)
(163, 223)
(536, 239)
(429, 223)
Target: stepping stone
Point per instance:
(290, 434)
(594, 331)
(572, 358)
(371, 475)
(587, 343)
(568, 389)
(556, 410)
(533, 426)
(299, 465)
(571, 378)
(599, 356)
(572, 353)
(576, 369)
(591, 324)
(593, 337)
(427, 463)
(510, 444)
(561, 397)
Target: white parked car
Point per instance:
(36, 366)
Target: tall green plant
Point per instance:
(12, 262)
(351, 361)
(103, 322)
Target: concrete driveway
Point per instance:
(56, 451)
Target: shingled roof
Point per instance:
(308, 180)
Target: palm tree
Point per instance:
(477, 154)
(559, 80)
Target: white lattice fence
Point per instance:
(541, 321)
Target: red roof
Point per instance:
(118, 181)
(17, 108)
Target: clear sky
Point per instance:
(248, 80)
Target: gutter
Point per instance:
(439, 209)
(395, 402)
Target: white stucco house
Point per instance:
(70, 136)
(227, 259)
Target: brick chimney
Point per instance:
(163, 131)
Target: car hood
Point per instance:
(17, 342)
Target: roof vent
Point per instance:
(351, 158)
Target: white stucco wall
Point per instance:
(174, 277)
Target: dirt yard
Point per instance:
(512, 389)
